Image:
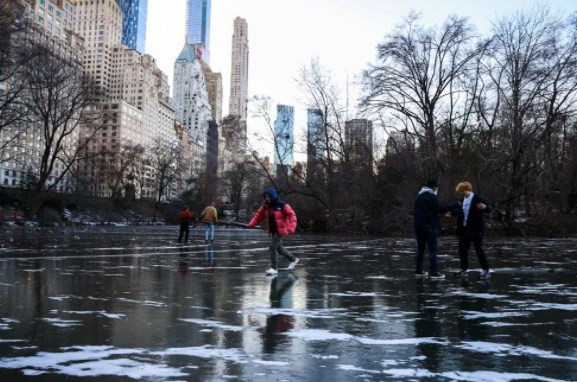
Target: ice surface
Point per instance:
(145, 309)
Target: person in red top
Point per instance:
(185, 217)
(281, 220)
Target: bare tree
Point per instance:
(14, 53)
(529, 93)
(57, 101)
(418, 82)
(237, 180)
(122, 167)
(163, 159)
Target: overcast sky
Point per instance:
(285, 34)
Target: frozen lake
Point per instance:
(129, 304)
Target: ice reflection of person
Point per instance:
(429, 323)
(426, 220)
(182, 261)
(471, 227)
(277, 324)
(209, 256)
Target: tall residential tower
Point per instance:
(239, 70)
(198, 26)
(284, 137)
(134, 13)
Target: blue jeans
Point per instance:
(426, 237)
(209, 231)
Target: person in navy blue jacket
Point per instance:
(471, 226)
(426, 220)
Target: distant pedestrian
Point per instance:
(471, 227)
(185, 216)
(426, 220)
(281, 220)
(209, 217)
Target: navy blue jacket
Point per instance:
(427, 210)
(476, 218)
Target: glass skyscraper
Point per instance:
(134, 13)
(198, 25)
(316, 142)
(284, 136)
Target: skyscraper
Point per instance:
(198, 26)
(134, 13)
(191, 102)
(359, 140)
(316, 143)
(239, 70)
(284, 136)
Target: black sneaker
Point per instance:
(422, 274)
(437, 276)
(462, 273)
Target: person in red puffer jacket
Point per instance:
(281, 220)
(185, 217)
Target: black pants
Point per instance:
(465, 241)
(184, 230)
(426, 237)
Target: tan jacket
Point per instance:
(209, 215)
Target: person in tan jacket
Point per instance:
(209, 217)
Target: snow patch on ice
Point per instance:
(354, 368)
(294, 312)
(325, 335)
(270, 363)
(402, 341)
(212, 324)
(101, 313)
(58, 322)
(144, 302)
(355, 294)
(505, 349)
(493, 376)
(232, 354)
(473, 315)
(486, 296)
(404, 373)
(90, 361)
(322, 356)
(318, 335)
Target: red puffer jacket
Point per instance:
(285, 217)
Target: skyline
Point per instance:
(371, 21)
(278, 50)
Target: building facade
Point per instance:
(359, 141)
(100, 23)
(214, 88)
(134, 98)
(316, 143)
(134, 14)
(284, 136)
(238, 103)
(47, 25)
(198, 26)
(190, 95)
